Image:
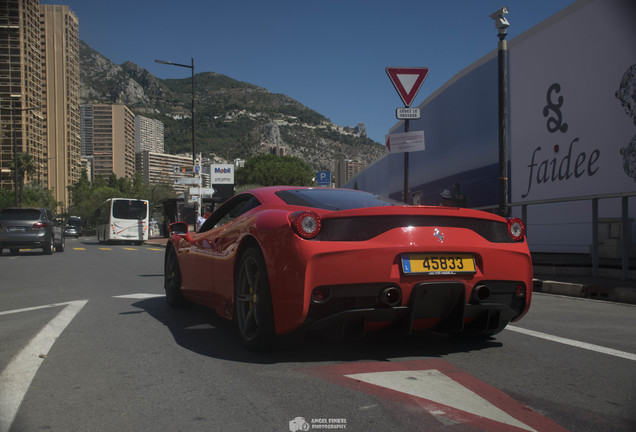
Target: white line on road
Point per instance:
(139, 296)
(18, 375)
(574, 343)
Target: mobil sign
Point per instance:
(222, 173)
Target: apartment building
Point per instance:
(159, 168)
(111, 141)
(148, 135)
(347, 169)
(21, 116)
(61, 99)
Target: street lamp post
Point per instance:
(502, 25)
(191, 66)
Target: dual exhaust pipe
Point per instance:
(392, 296)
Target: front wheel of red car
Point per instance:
(172, 280)
(253, 302)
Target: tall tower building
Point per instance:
(20, 90)
(111, 143)
(61, 91)
(148, 135)
(346, 170)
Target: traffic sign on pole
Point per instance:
(201, 191)
(407, 81)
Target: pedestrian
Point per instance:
(458, 196)
(447, 198)
(200, 220)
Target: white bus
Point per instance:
(123, 219)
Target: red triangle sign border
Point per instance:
(407, 96)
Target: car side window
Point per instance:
(230, 211)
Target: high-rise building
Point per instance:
(159, 168)
(61, 99)
(148, 135)
(112, 141)
(20, 90)
(346, 170)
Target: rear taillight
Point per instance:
(305, 223)
(516, 229)
(39, 225)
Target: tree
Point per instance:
(87, 197)
(38, 196)
(26, 165)
(270, 170)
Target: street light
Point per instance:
(191, 66)
(502, 24)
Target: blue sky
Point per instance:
(330, 55)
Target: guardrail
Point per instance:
(624, 220)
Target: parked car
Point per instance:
(73, 226)
(283, 259)
(30, 228)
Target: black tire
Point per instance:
(48, 247)
(253, 311)
(62, 245)
(172, 279)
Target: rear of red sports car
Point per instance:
(405, 267)
(281, 259)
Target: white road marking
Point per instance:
(574, 343)
(434, 386)
(139, 296)
(16, 378)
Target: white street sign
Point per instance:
(405, 142)
(186, 181)
(407, 113)
(201, 191)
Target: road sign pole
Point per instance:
(406, 169)
(200, 185)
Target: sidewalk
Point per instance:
(566, 274)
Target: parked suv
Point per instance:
(29, 228)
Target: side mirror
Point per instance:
(179, 228)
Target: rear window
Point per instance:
(20, 214)
(74, 221)
(334, 199)
(130, 209)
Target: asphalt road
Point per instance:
(87, 343)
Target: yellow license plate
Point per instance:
(438, 264)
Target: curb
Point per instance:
(615, 294)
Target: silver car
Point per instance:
(30, 228)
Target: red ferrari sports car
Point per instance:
(283, 259)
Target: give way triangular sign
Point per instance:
(407, 81)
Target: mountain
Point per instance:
(233, 119)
